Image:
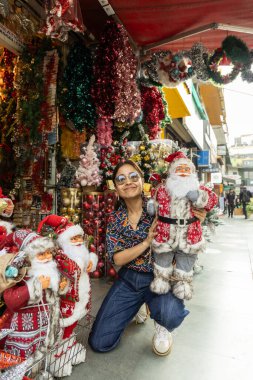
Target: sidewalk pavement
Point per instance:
(215, 342)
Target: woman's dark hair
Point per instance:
(121, 202)
(127, 162)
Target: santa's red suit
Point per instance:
(34, 312)
(72, 260)
(179, 236)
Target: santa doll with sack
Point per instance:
(179, 237)
(75, 262)
(33, 303)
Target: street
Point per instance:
(215, 342)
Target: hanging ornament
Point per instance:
(115, 91)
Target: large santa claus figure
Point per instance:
(33, 302)
(179, 236)
(74, 262)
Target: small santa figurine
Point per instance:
(75, 262)
(179, 237)
(33, 302)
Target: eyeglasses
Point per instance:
(121, 179)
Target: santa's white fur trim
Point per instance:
(35, 290)
(39, 245)
(7, 225)
(69, 233)
(80, 306)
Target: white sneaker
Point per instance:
(142, 314)
(162, 340)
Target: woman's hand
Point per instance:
(200, 214)
(151, 234)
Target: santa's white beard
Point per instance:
(48, 269)
(178, 186)
(77, 253)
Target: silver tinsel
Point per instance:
(17, 372)
(149, 68)
(199, 57)
(4, 8)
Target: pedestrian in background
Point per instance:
(245, 196)
(230, 199)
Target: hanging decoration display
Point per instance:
(174, 69)
(75, 99)
(115, 91)
(87, 173)
(71, 141)
(170, 69)
(61, 17)
(153, 110)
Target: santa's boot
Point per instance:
(79, 354)
(182, 288)
(161, 282)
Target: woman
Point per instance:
(129, 236)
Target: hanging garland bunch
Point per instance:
(115, 91)
(199, 55)
(174, 69)
(149, 74)
(75, 99)
(213, 68)
(153, 110)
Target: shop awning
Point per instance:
(152, 21)
(176, 105)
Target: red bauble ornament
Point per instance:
(92, 248)
(90, 231)
(97, 222)
(89, 198)
(100, 264)
(100, 230)
(86, 206)
(95, 206)
(112, 272)
(90, 214)
(96, 274)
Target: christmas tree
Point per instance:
(87, 173)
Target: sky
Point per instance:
(238, 96)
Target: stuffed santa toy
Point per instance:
(33, 302)
(179, 237)
(74, 262)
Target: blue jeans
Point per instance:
(122, 303)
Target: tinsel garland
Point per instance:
(104, 132)
(48, 108)
(149, 75)
(153, 109)
(246, 72)
(75, 99)
(236, 50)
(199, 55)
(115, 91)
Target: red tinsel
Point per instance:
(115, 92)
(153, 109)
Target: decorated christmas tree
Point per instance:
(87, 173)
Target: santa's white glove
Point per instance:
(192, 195)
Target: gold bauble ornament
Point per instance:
(77, 202)
(75, 218)
(142, 147)
(63, 210)
(71, 211)
(64, 193)
(66, 201)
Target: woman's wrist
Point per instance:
(145, 244)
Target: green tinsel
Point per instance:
(75, 96)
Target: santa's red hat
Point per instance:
(62, 227)
(178, 158)
(28, 241)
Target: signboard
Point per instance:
(216, 177)
(203, 158)
(212, 168)
(221, 150)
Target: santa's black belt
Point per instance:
(179, 222)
